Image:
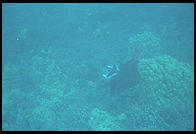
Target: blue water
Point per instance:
(53, 59)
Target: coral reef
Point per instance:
(102, 121)
(145, 44)
(169, 85)
(170, 78)
(52, 60)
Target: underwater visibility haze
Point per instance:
(97, 67)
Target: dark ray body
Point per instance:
(127, 77)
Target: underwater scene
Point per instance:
(98, 67)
